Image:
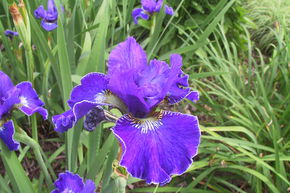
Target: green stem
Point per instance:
(34, 128)
(30, 70)
(153, 26)
(23, 138)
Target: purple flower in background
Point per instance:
(49, 16)
(10, 33)
(72, 183)
(150, 7)
(156, 144)
(21, 96)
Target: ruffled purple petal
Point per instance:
(124, 86)
(156, 148)
(52, 9)
(89, 187)
(8, 100)
(8, 94)
(127, 56)
(6, 84)
(6, 134)
(83, 108)
(52, 13)
(29, 100)
(125, 62)
(40, 12)
(153, 82)
(68, 182)
(90, 94)
(152, 5)
(92, 89)
(169, 10)
(64, 121)
(179, 85)
(139, 13)
(48, 25)
(193, 96)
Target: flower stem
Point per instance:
(24, 138)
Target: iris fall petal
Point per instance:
(29, 100)
(6, 134)
(68, 182)
(157, 148)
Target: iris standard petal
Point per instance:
(169, 10)
(154, 82)
(29, 100)
(92, 89)
(139, 13)
(6, 134)
(48, 25)
(52, 13)
(40, 12)
(154, 149)
(64, 121)
(152, 5)
(124, 86)
(179, 84)
(8, 94)
(127, 56)
(6, 84)
(68, 182)
(125, 62)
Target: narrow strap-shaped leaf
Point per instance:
(19, 180)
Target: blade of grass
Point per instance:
(20, 182)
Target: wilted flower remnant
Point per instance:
(49, 16)
(22, 97)
(150, 7)
(72, 183)
(156, 144)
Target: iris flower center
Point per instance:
(148, 124)
(23, 101)
(67, 191)
(100, 97)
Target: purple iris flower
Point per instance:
(49, 16)
(10, 33)
(156, 144)
(72, 183)
(21, 96)
(150, 7)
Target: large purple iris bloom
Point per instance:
(21, 96)
(155, 143)
(49, 16)
(150, 7)
(72, 183)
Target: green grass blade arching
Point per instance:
(19, 180)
